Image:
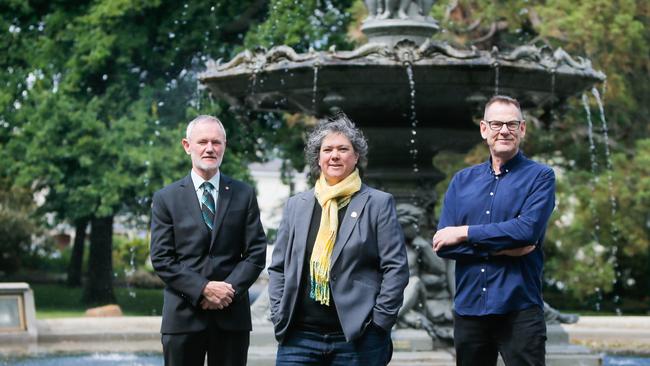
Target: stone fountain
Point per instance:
(413, 96)
(399, 82)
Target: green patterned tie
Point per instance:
(207, 204)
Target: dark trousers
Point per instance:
(520, 338)
(224, 348)
(373, 348)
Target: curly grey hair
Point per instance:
(339, 123)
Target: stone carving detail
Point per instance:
(407, 51)
(368, 49)
(431, 48)
(544, 56)
(260, 57)
(399, 9)
(563, 58)
(404, 51)
(429, 293)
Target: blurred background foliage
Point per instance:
(96, 94)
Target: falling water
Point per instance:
(593, 183)
(496, 78)
(200, 88)
(608, 157)
(553, 85)
(315, 89)
(130, 271)
(612, 199)
(592, 145)
(254, 81)
(610, 185)
(414, 121)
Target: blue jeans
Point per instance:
(373, 348)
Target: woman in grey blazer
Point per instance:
(339, 265)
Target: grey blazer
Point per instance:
(369, 268)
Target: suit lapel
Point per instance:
(192, 204)
(223, 201)
(352, 215)
(304, 211)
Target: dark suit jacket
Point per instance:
(368, 270)
(186, 255)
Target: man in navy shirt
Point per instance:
(492, 224)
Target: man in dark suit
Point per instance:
(208, 246)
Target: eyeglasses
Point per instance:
(498, 125)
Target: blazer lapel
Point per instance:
(223, 201)
(192, 204)
(352, 214)
(304, 211)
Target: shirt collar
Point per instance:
(197, 180)
(509, 165)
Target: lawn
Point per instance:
(57, 301)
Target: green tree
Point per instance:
(303, 24)
(97, 94)
(613, 206)
(17, 225)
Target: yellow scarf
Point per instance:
(330, 198)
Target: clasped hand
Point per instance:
(217, 295)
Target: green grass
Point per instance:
(59, 301)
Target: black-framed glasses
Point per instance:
(498, 125)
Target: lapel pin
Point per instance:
(354, 214)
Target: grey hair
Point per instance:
(504, 99)
(203, 118)
(339, 123)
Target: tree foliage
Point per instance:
(303, 24)
(96, 96)
(17, 225)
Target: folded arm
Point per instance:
(525, 229)
(501, 238)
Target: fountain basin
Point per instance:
(371, 83)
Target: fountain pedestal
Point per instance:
(17, 314)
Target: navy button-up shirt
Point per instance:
(503, 211)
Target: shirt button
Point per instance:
(507, 170)
(484, 289)
(491, 193)
(487, 212)
(482, 269)
(496, 178)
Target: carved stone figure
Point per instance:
(553, 316)
(398, 9)
(428, 295)
(375, 8)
